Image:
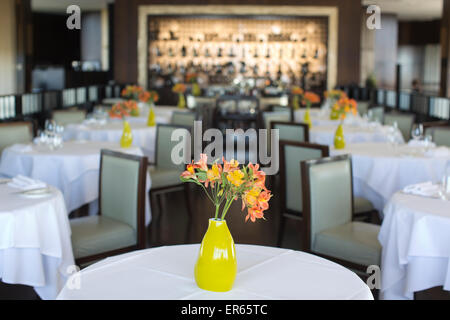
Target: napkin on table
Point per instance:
(426, 189)
(25, 183)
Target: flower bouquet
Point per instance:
(180, 88)
(296, 92)
(193, 78)
(150, 97)
(132, 92)
(121, 110)
(342, 107)
(223, 185)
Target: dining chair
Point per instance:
(327, 210)
(164, 173)
(404, 122)
(270, 116)
(120, 225)
(65, 117)
(376, 114)
(15, 132)
(291, 205)
(183, 119)
(291, 131)
(441, 136)
(363, 107)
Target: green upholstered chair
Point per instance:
(15, 132)
(291, 154)
(165, 174)
(363, 107)
(120, 225)
(441, 136)
(327, 203)
(291, 131)
(65, 117)
(183, 119)
(268, 117)
(281, 109)
(376, 114)
(404, 123)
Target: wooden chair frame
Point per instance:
(284, 211)
(304, 125)
(141, 244)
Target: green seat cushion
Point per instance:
(163, 177)
(361, 205)
(97, 234)
(354, 241)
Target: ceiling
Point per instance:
(410, 9)
(60, 6)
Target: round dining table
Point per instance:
(144, 136)
(415, 238)
(167, 273)
(35, 244)
(73, 169)
(382, 169)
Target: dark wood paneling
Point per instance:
(419, 32)
(126, 20)
(24, 49)
(445, 50)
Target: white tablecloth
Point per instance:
(320, 117)
(144, 137)
(380, 170)
(73, 169)
(415, 236)
(35, 245)
(263, 273)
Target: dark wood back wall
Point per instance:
(126, 20)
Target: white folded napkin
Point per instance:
(438, 152)
(25, 183)
(426, 189)
(21, 148)
(421, 143)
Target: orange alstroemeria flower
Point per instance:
(297, 91)
(144, 96)
(311, 97)
(236, 177)
(230, 166)
(190, 172)
(253, 214)
(202, 163)
(213, 175)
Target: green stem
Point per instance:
(227, 206)
(217, 211)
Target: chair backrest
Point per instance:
(291, 154)
(376, 114)
(164, 145)
(327, 195)
(122, 189)
(404, 122)
(363, 107)
(65, 117)
(441, 136)
(281, 109)
(271, 116)
(183, 119)
(291, 131)
(15, 132)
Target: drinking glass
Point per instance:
(417, 131)
(445, 188)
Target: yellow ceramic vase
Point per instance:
(339, 141)
(307, 118)
(181, 101)
(127, 136)
(151, 122)
(196, 89)
(216, 265)
(295, 103)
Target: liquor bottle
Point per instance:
(268, 53)
(183, 51)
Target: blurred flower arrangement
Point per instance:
(149, 97)
(335, 94)
(343, 107)
(227, 183)
(132, 92)
(306, 98)
(124, 109)
(193, 78)
(309, 98)
(180, 88)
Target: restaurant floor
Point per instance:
(173, 230)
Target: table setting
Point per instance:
(382, 169)
(415, 237)
(73, 168)
(35, 244)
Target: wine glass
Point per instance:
(417, 131)
(50, 125)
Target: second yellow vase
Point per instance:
(216, 265)
(127, 136)
(339, 141)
